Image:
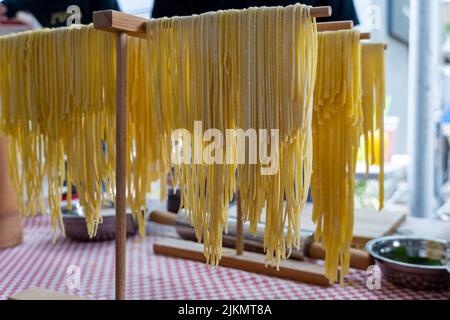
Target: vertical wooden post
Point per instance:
(239, 227)
(121, 172)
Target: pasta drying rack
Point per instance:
(125, 25)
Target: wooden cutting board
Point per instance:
(369, 224)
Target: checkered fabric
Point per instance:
(40, 263)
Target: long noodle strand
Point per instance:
(56, 106)
(373, 102)
(247, 69)
(337, 128)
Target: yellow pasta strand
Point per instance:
(373, 102)
(337, 128)
(145, 144)
(57, 105)
(58, 108)
(248, 69)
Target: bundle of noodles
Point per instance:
(249, 69)
(188, 65)
(57, 106)
(276, 86)
(337, 127)
(145, 145)
(373, 103)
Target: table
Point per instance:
(40, 263)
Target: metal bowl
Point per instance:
(411, 262)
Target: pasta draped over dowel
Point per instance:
(373, 102)
(57, 103)
(248, 69)
(58, 106)
(337, 128)
(230, 70)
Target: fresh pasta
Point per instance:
(261, 69)
(337, 127)
(247, 69)
(146, 145)
(56, 110)
(209, 68)
(58, 107)
(373, 102)
(278, 71)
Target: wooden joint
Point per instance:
(114, 21)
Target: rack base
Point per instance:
(251, 262)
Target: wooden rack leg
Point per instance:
(239, 227)
(121, 173)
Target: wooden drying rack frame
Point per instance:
(128, 25)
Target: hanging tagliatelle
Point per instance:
(58, 107)
(252, 71)
(57, 103)
(337, 127)
(62, 124)
(146, 146)
(277, 67)
(373, 103)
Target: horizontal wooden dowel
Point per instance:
(115, 21)
(321, 12)
(365, 36)
(163, 218)
(342, 25)
(335, 26)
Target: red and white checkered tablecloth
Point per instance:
(40, 263)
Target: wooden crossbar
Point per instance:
(366, 35)
(115, 21)
(335, 26)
